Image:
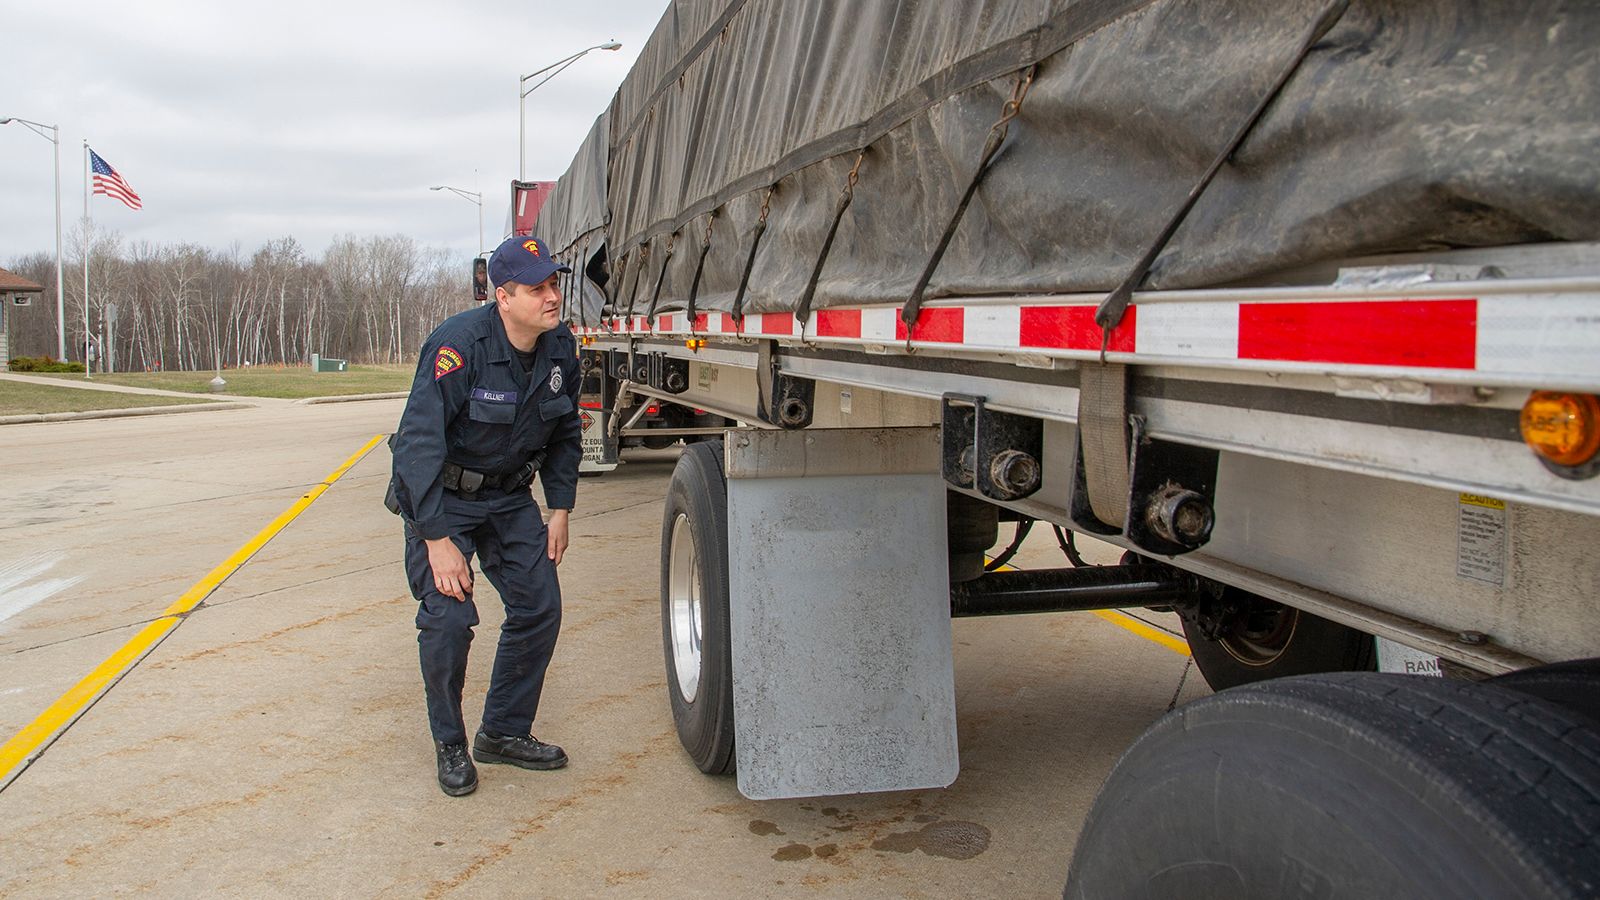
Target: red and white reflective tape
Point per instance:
(1556, 334)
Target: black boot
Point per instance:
(525, 751)
(457, 775)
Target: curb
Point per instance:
(29, 418)
(34, 418)
(348, 398)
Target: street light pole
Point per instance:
(522, 96)
(61, 303)
(474, 197)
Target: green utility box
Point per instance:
(326, 364)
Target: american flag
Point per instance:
(108, 182)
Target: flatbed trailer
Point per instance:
(1370, 430)
(1316, 459)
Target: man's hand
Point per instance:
(556, 529)
(451, 574)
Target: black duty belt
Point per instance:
(468, 484)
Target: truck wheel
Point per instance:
(1574, 684)
(1350, 785)
(694, 607)
(1269, 640)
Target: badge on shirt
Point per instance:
(446, 362)
(555, 380)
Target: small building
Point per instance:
(15, 292)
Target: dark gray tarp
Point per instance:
(1414, 124)
(576, 209)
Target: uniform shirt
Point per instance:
(472, 404)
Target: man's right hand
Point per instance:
(451, 575)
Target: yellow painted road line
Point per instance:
(203, 588)
(1144, 630)
(22, 749)
(31, 740)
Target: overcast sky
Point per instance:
(246, 122)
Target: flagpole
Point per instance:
(88, 228)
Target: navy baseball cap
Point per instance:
(525, 260)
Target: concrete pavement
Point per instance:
(276, 742)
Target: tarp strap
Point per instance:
(655, 296)
(700, 267)
(638, 275)
(766, 379)
(991, 148)
(803, 311)
(1103, 437)
(1111, 310)
(750, 261)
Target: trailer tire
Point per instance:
(694, 608)
(1350, 785)
(1301, 644)
(1574, 684)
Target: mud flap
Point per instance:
(839, 603)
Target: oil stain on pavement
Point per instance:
(954, 839)
(951, 840)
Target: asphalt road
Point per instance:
(275, 742)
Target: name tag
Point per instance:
(494, 396)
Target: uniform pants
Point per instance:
(507, 534)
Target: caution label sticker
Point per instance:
(1394, 656)
(593, 439)
(1481, 539)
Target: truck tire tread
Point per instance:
(1380, 785)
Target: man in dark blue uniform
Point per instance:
(494, 402)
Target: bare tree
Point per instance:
(371, 299)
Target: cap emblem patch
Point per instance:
(531, 247)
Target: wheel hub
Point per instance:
(1259, 636)
(684, 599)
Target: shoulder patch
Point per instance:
(446, 362)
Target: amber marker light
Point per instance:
(1563, 428)
(695, 344)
